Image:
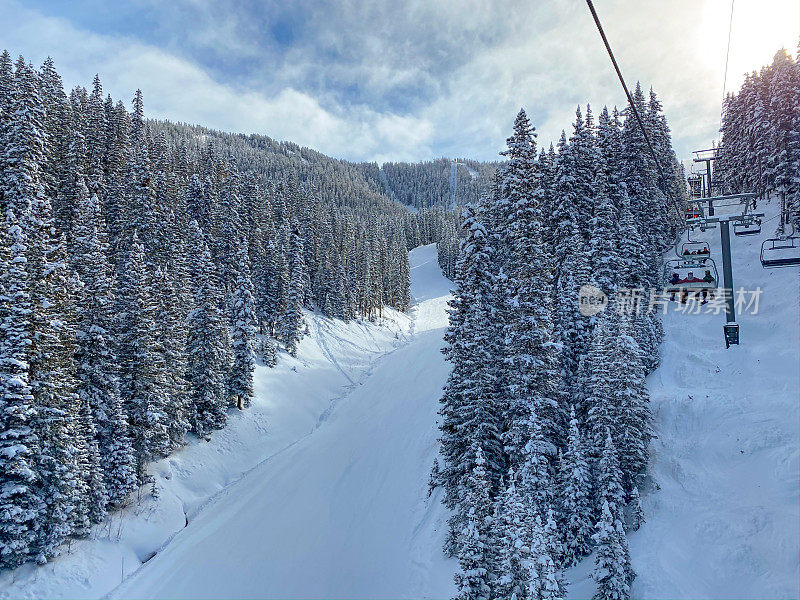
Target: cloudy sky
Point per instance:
(401, 80)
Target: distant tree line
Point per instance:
(428, 184)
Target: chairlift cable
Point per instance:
(725, 76)
(681, 216)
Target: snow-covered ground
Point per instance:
(292, 402)
(320, 490)
(725, 523)
(723, 517)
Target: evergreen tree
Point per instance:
(512, 538)
(207, 338)
(530, 354)
(613, 572)
(544, 580)
(576, 496)
(476, 556)
(244, 331)
(637, 512)
(632, 403)
(610, 572)
(142, 375)
(291, 321)
(21, 505)
(470, 409)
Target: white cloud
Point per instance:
(458, 70)
(177, 89)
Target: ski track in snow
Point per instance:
(343, 511)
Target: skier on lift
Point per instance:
(673, 280)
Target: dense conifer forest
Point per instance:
(760, 149)
(545, 419)
(433, 183)
(145, 267)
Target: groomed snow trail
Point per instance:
(344, 512)
(724, 523)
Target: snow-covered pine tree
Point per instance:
(207, 339)
(96, 143)
(610, 572)
(530, 354)
(470, 410)
(174, 301)
(563, 218)
(21, 504)
(513, 544)
(49, 355)
(142, 375)
(636, 510)
(632, 404)
(576, 501)
(476, 555)
(290, 325)
(784, 94)
(603, 411)
(243, 334)
(95, 354)
(610, 531)
(544, 580)
(609, 191)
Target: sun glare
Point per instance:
(760, 28)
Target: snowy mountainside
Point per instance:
(319, 490)
(722, 518)
(725, 522)
(345, 511)
(290, 402)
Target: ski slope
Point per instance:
(320, 489)
(722, 506)
(292, 402)
(343, 512)
(724, 523)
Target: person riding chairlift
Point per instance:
(673, 280)
(708, 278)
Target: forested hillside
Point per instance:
(760, 149)
(545, 419)
(144, 267)
(428, 184)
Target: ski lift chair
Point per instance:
(693, 212)
(693, 249)
(749, 227)
(777, 252)
(681, 277)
